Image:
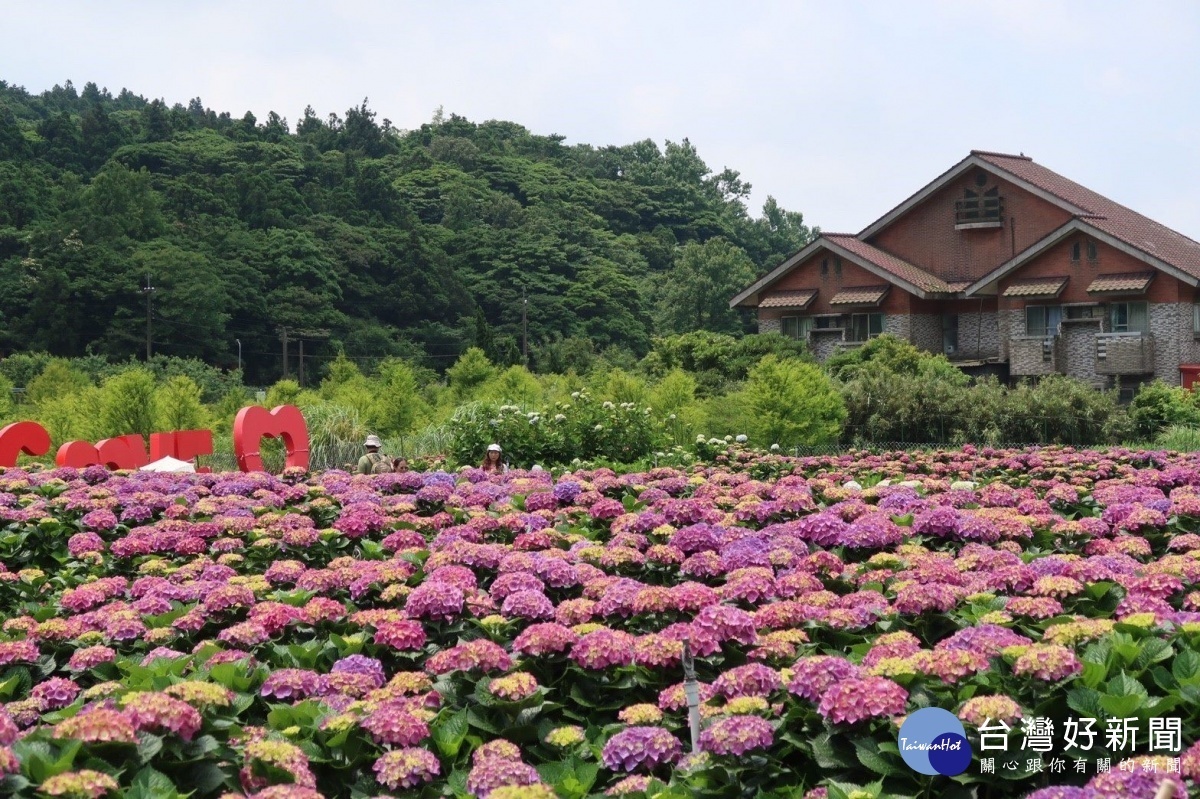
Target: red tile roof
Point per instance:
(862, 295)
(1126, 284)
(787, 299)
(1132, 228)
(1036, 287)
(890, 263)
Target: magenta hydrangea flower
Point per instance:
(604, 648)
(533, 605)
(162, 713)
(726, 623)
(54, 693)
(406, 768)
(855, 700)
(293, 684)
(436, 601)
(391, 723)
(812, 676)
(17, 652)
(737, 735)
(361, 664)
(402, 635)
(753, 679)
(539, 640)
(491, 773)
(641, 748)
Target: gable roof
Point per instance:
(1108, 221)
(989, 282)
(881, 264)
(986, 161)
(1145, 236)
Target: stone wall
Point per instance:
(1174, 343)
(1012, 325)
(1078, 348)
(926, 331)
(898, 325)
(978, 335)
(1026, 356)
(769, 325)
(824, 344)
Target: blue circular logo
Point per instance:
(932, 741)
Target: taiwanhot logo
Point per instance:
(932, 741)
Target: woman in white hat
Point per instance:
(374, 461)
(491, 460)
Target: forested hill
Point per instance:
(415, 243)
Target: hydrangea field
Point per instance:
(521, 635)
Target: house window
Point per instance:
(1129, 317)
(1042, 320)
(1075, 248)
(950, 334)
(1196, 319)
(837, 266)
(824, 267)
(1082, 311)
(796, 327)
(864, 326)
(827, 322)
(1092, 254)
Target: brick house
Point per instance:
(1003, 265)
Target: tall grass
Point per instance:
(1179, 438)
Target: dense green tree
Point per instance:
(398, 244)
(698, 288)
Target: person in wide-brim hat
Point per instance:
(369, 463)
(492, 460)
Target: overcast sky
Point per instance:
(839, 109)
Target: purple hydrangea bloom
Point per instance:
(641, 748)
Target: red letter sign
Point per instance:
(184, 445)
(255, 422)
(28, 437)
(124, 452)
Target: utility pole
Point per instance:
(283, 334)
(148, 290)
(306, 335)
(525, 327)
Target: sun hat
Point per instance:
(373, 441)
(494, 448)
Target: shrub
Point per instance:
(55, 381)
(22, 367)
(7, 404)
(893, 356)
(179, 406)
(1060, 410)
(718, 360)
(128, 404)
(1157, 406)
(516, 385)
(397, 404)
(284, 392)
(584, 428)
(468, 373)
(792, 403)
